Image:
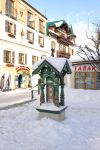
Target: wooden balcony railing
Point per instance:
(63, 54)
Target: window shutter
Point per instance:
(20, 58)
(13, 57)
(4, 56)
(26, 59)
(39, 39)
(33, 37)
(14, 29)
(6, 26)
(27, 35)
(43, 41)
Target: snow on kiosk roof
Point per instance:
(59, 65)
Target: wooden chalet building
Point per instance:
(62, 38)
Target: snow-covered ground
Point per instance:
(21, 130)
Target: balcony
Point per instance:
(12, 13)
(63, 54)
(31, 24)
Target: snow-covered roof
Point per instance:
(57, 63)
(58, 24)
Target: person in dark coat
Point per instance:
(19, 80)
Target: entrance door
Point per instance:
(50, 93)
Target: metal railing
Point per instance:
(32, 91)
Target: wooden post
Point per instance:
(42, 97)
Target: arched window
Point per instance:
(53, 45)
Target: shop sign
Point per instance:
(21, 68)
(85, 68)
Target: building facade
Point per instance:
(22, 42)
(61, 37)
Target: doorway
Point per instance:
(50, 93)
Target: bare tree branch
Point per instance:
(91, 52)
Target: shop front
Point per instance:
(23, 77)
(85, 76)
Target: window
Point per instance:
(85, 80)
(41, 26)
(60, 47)
(34, 59)
(41, 41)
(30, 20)
(53, 45)
(22, 59)
(10, 11)
(69, 50)
(64, 48)
(9, 56)
(72, 52)
(10, 28)
(30, 37)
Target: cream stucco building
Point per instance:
(22, 42)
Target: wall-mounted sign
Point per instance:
(85, 68)
(22, 68)
(10, 65)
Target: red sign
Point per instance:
(84, 68)
(23, 68)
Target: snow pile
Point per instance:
(21, 130)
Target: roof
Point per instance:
(71, 32)
(58, 65)
(55, 23)
(52, 23)
(34, 8)
(59, 23)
